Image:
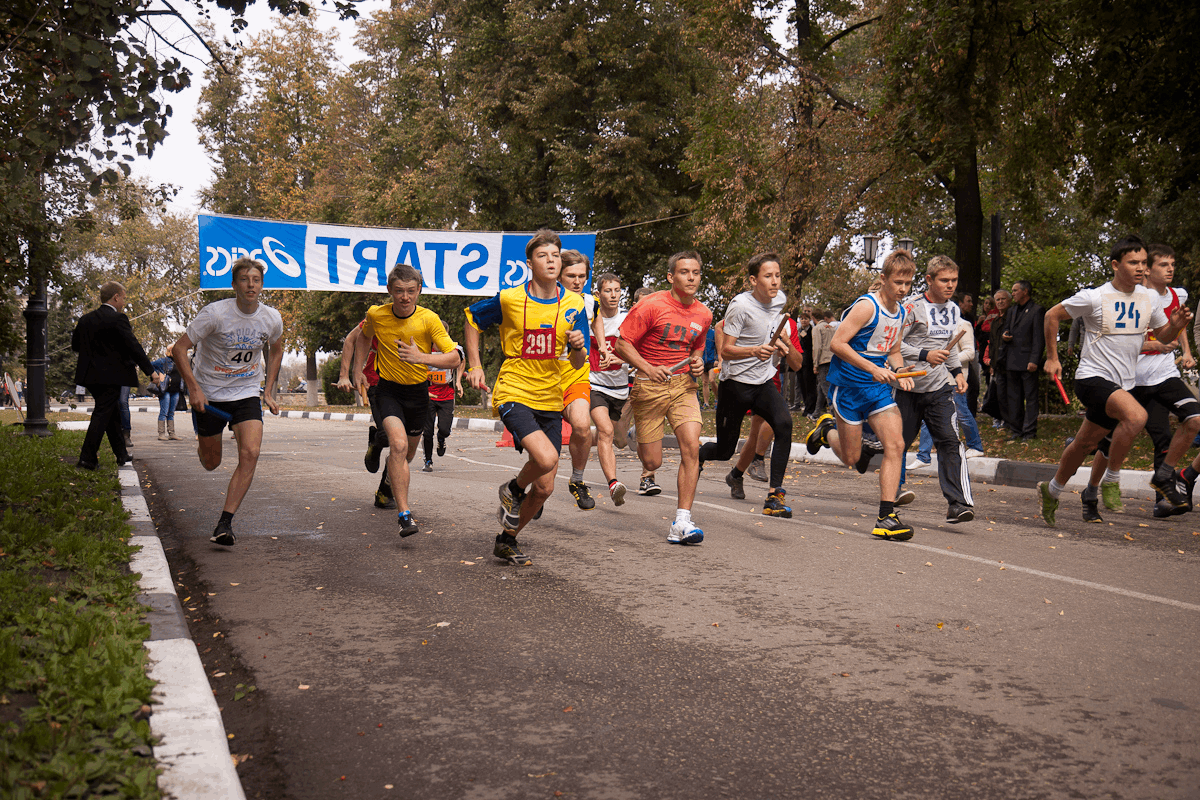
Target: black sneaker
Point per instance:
(1091, 504)
(371, 459)
(1167, 486)
(870, 448)
(959, 513)
(774, 507)
(1186, 487)
(223, 534)
(736, 490)
(1164, 509)
(441, 451)
(506, 550)
(648, 488)
(384, 501)
(891, 528)
(583, 497)
(408, 525)
(818, 437)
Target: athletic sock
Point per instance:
(516, 490)
(736, 473)
(683, 515)
(227, 516)
(576, 475)
(886, 507)
(1112, 476)
(612, 482)
(758, 457)
(1055, 488)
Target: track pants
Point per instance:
(939, 412)
(734, 399)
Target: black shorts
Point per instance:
(407, 402)
(613, 404)
(1094, 394)
(521, 420)
(1173, 394)
(243, 410)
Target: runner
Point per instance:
(537, 321)
(405, 336)
(223, 383)
(1162, 392)
(376, 436)
(749, 358)
(866, 357)
(661, 335)
(610, 382)
(444, 384)
(1116, 318)
(576, 382)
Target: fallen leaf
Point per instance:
(443, 624)
(235, 584)
(901, 572)
(302, 686)
(1180, 552)
(319, 588)
(1130, 538)
(1060, 613)
(847, 674)
(1046, 601)
(716, 624)
(568, 709)
(940, 624)
(1143, 525)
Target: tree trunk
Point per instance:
(968, 223)
(314, 385)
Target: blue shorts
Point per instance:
(855, 404)
(521, 420)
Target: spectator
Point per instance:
(169, 389)
(995, 400)
(822, 338)
(807, 375)
(1025, 339)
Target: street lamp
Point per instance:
(906, 244)
(870, 248)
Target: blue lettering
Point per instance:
(481, 255)
(332, 245)
(408, 255)
(378, 260)
(439, 261)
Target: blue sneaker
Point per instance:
(408, 526)
(685, 533)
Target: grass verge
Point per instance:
(74, 695)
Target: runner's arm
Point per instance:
(1050, 324)
(179, 352)
(274, 360)
(348, 357)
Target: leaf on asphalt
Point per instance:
(442, 625)
(468, 563)
(901, 572)
(847, 674)
(1046, 600)
(1061, 613)
(219, 675)
(568, 709)
(1143, 525)
(235, 584)
(940, 625)
(302, 686)
(319, 588)
(1180, 552)
(1130, 538)
(929, 563)
(543, 775)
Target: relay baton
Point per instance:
(680, 365)
(1061, 391)
(916, 373)
(221, 414)
(779, 331)
(954, 341)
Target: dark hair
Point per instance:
(1026, 285)
(1130, 244)
(686, 255)
(755, 264)
(607, 277)
(1156, 251)
(110, 290)
(541, 237)
(243, 264)
(405, 274)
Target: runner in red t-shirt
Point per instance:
(444, 384)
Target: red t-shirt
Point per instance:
(369, 367)
(665, 331)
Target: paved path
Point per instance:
(797, 658)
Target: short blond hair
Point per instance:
(940, 264)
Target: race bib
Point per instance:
(438, 376)
(594, 355)
(538, 344)
(1124, 313)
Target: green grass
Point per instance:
(73, 688)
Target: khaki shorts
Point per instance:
(652, 403)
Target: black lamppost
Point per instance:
(906, 244)
(870, 248)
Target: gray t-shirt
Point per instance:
(929, 326)
(751, 324)
(229, 348)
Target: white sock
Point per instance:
(1055, 488)
(1111, 476)
(683, 515)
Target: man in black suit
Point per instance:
(1024, 339)
(109, 355)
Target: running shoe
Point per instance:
(1186, 486)
(428, 465)
(1111, 494)
(870, 448)
(736, 488)
(223, 534)
(959, 513)
(892, 529)
(971, 452)
(904, 497)
(371, 459)
(1164, 509)
(511, 497)
(583, 498)
(617, 493)
(818, 437)
(408, 525)
(915, 462)
(1165, 483)
(774, 507)
(1049, 502)
(506, 550)
(758, 469)
(1091, 504)
(685, 533)
(384, 501)
(441, 449)
(648, 488)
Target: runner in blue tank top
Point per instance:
(866, 357)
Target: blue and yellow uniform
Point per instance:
(856, 395)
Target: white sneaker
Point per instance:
(617, 493)
(914, 463)
(685, 533)
(973, 453)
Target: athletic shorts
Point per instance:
(614, 404)
(654, 403)
(1094, 394)
(855, 404)
(576, 391)
(243, 410)
(521, 420)
(1172, 393)
(407, 402)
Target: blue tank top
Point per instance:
(873, 342)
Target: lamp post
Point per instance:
(906, 244)
(870, 248)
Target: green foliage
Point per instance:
(329, 378)
(71, 629)
(1055, 272)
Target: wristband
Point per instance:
(472, 369)
(924, 356)
(956, 371)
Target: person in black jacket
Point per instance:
(109, 355)
(1024, 341)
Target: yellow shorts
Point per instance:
(653, 403)
(577, 391)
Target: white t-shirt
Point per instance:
(751, 324)
(1115, 323)
(613, 381)
(1155, 368)
(229, 348)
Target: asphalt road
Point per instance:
(780, 659)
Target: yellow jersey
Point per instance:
(422, 327)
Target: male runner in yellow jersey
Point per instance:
(406, 335)
(537, 321)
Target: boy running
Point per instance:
(537, 322)
(444, 384)
(576, 383)
(610, 381)
(230, 336)
(376, 438)
(1116, 318)
(662, 335)
(866, 358)
(406, 335)
(749, 358)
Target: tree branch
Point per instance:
(846, 32)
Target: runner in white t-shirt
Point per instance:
(1116, 318)
(609, 377)
(230, 337)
